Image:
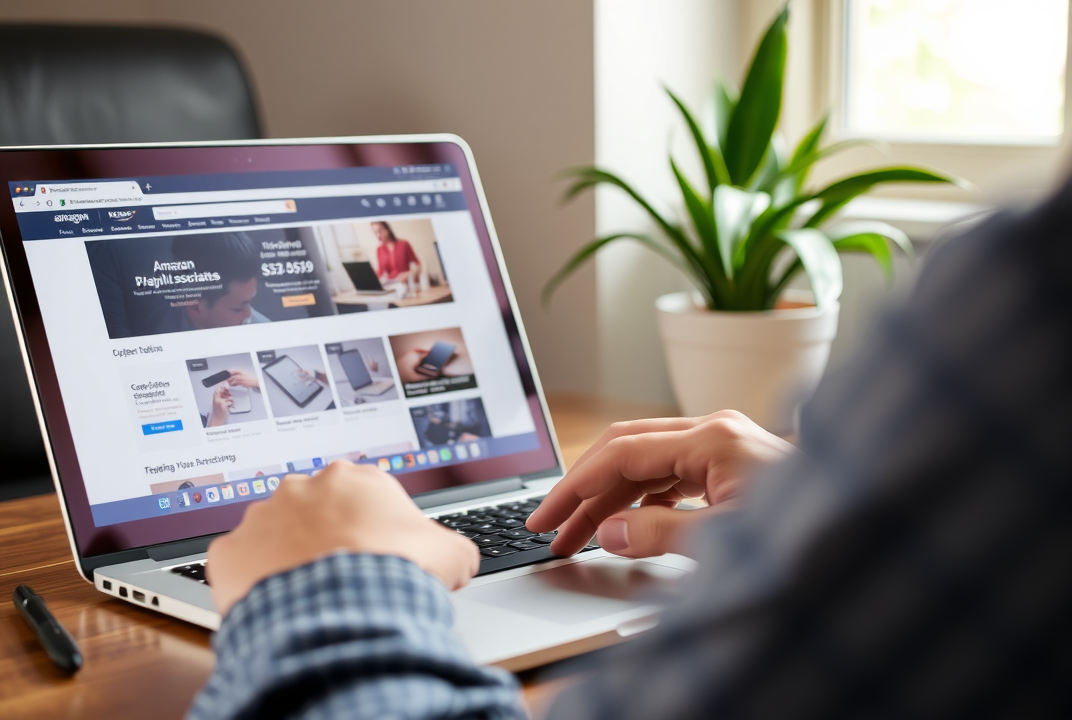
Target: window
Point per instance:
(955, 71)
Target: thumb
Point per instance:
(647, 531)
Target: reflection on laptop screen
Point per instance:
(209, 336)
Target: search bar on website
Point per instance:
(257, 207)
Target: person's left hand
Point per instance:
(357, 508)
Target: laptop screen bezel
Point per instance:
(131, 161)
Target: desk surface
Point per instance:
(438, 294)
(139, 663)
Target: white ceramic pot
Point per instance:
(760, 363)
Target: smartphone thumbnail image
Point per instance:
(216, 378)
(241, 402)
(433, 362)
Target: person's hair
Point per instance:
(390, 232)
(233, 255)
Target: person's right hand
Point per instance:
(221, 406)
(243, 379)
(658, 462)
(407, 365)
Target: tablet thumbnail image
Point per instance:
(295, 380)
(361, 372)
(226, 390)
(433, 361)
(450, 422)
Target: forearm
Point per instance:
(355, 636)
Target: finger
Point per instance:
(635, 427)
(648, 531)
(622, 460)
(575, 532)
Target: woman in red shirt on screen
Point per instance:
(394, 258)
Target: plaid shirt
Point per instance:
(914, 561)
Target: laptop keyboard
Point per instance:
(498, 530)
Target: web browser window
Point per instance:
(216, 332)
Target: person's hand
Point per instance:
(658, 462)
(241, 378)
(372, 365)
(357, 508)
(408, 363)
(221, 406)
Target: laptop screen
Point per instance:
(200, 334)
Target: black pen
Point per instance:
(58, 643)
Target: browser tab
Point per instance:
(89, 193)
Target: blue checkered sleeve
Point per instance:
(349, 636)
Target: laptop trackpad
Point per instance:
(583, 591)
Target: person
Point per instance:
(395, 259)
(234, 256)
(911, 559)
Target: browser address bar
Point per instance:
(255, 207)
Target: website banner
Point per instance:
(200, 281)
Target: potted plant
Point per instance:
(742, 340)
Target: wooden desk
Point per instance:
(437, 294)
(139, 663)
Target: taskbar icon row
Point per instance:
(192, 497)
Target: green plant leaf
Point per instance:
(699, 212)
(820, 261)
(702, 268)
(896, 235)
(735, 210)
(873, 244)
(592, 247)
(714, 166)
(837, 194)
(756, 114)
(588, 177)
(770, 169)
(724, 101)
(808, 144)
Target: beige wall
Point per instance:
(513, 77)
(642, 45)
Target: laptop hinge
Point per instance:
(467, 492)
(181, 548)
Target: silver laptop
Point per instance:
(176, 306)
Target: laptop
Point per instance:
(135, 272)
(364, 278)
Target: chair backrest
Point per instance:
(63, 84)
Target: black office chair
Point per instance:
(62, 84)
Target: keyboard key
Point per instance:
(489, 540)
(485, 528)
(482, 518)
(516, 534)
(466, 532)
(508, 524)
(544, 539)
(459, 523)
(526, 545)
(509, 515)
(497, 551)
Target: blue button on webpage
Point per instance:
(162, 427)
